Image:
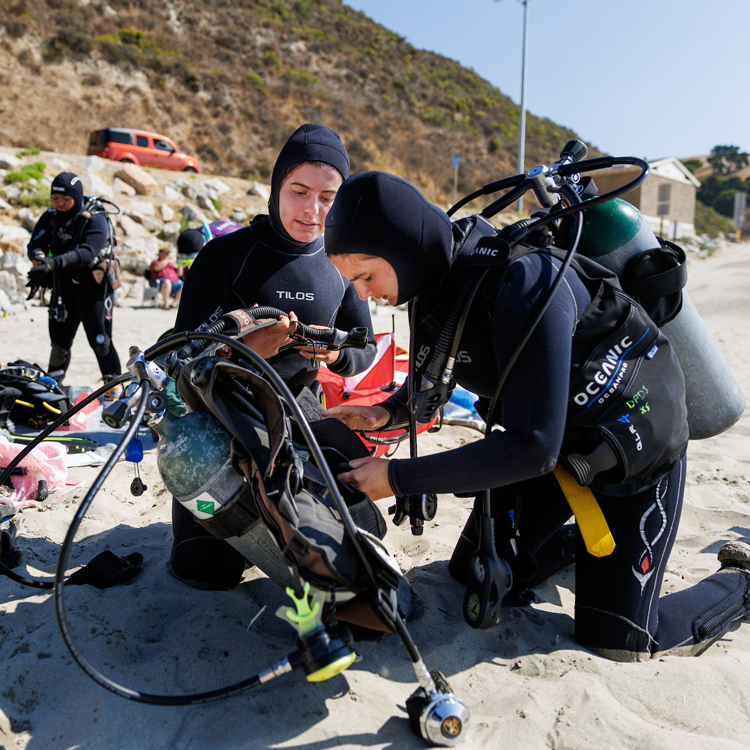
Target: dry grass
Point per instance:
(229, 81)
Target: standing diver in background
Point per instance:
(278, 261)
(392, 244)
(64, 247)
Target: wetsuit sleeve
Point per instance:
(533, 402)
(41, 237)
(354, 313)
(93, 239)
(207, 289)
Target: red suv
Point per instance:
(142, 148)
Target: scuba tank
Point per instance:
(614, 234)
(193, 458)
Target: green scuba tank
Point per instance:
(615, 232)
(193, 458)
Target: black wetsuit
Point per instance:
(618, 610)
(254, 265)
(76, 296)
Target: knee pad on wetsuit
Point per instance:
(59, 361)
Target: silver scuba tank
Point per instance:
(613, 233)
(193, 457)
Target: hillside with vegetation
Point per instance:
(723, 173)
(229, 80)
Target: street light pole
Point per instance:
(522, 123)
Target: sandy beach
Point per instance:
(527, 682)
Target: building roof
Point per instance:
(672, 168)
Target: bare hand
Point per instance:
(317, 354)
(267, 341)
(359, 417)
(369, 475)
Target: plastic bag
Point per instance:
(89, 417)
(45, 461)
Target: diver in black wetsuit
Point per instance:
(392, 244)
(278, 261)
(63, 247)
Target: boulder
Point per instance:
(8, 161)
(138, 178)
(205, 202)
(190, 191)
(5, 205)
(58, 165)
(260, 190)
(219, 187)
(194, 214)
(94, 184)
(13, 232)
(136, 254)
(152, 225)
(132, 228)
(13, 192)
(9, 283)
(122, 187)
(172, 193)
(5, 303)
(238, 216)
(94, 164)
(166, 212)
(145, 208)
(171, 231)
(15, 264)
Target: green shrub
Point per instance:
(218, 205)
(21, 176)
(38, 198)
(271, 59)
(301, 77)
(30, 151)
(258, 82)
(692, 164)
(710, 222)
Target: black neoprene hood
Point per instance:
(379, 214)
(309, 142)
(190, 242)
(67, 183)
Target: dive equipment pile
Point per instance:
(323, 567)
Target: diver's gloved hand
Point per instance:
(37, 274)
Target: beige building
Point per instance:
(666, 198)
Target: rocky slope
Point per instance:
(155, 206)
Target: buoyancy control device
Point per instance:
(249, 465)
(617, 236)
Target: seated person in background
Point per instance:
(164, 275)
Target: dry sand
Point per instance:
(527, 683)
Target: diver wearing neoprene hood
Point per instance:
(263, 264)
(64, 246)
(278, 261)
(393, 244)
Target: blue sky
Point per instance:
(647, 78)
